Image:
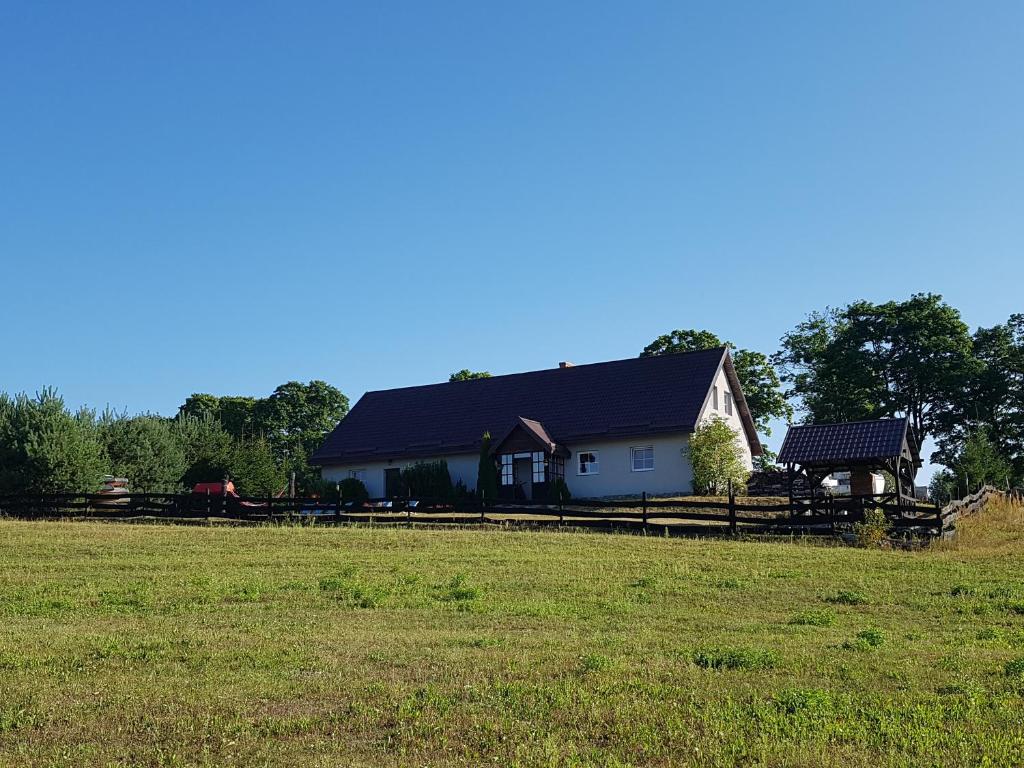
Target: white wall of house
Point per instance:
(616, 476)
(733, 420)
(461, 467)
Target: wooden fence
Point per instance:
(732, 515)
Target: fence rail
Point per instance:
(729, 515)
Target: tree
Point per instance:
(207, 448)
(980, 462)
(766, 462)
(943, 487)
(873, 360)
(46, 449)
(993, 398)
(465, 375)
(717, 457)
(200, 405)
(682, 341)
(487, 471)
(758, 379)
(145, 450)
(297, 417)
(252, 467)
(237, 414)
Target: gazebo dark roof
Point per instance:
(854, 441)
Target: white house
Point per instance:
(609, 429)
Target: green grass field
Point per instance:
(149, 645)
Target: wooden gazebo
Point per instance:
(815, 451)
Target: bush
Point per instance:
(874, 530)
(353, 489)
(428, 479)
(717, 458)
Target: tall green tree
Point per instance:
(980, 462)
(253, 468)
(237, 414)
(994, 397)
(487, 471)
(758, 380)
(296, 418)
(870, 360)
(465, 375)
(145, 450)
(200, 405)
(828, 374)
(207, 448)
(44, 448)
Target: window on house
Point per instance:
(642, 458)
(556, 467)
(506, 469)
(588, 463)
(358, 474)
(714, 398)
(539, 467)
(728, 403)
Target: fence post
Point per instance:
(209, 502)
(643, 502)
(408, 514)
(483, 506)
(337, 506)
(732, 509)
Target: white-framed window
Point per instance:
(506, 469)
(539, 467)
(728, 402)
(588, 463)
(714, 398)
(642, 458)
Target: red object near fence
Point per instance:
(215, 489)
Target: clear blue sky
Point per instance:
(222, 197)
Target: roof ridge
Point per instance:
(841, 423)
(574, 367)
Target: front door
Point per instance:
(523, 474)
(392, 482)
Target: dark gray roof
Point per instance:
(847, 442)
(622, 398)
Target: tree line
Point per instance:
(257, 442)
(915, 358)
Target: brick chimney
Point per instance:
(565, 364)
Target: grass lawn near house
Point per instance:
(148, 645)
